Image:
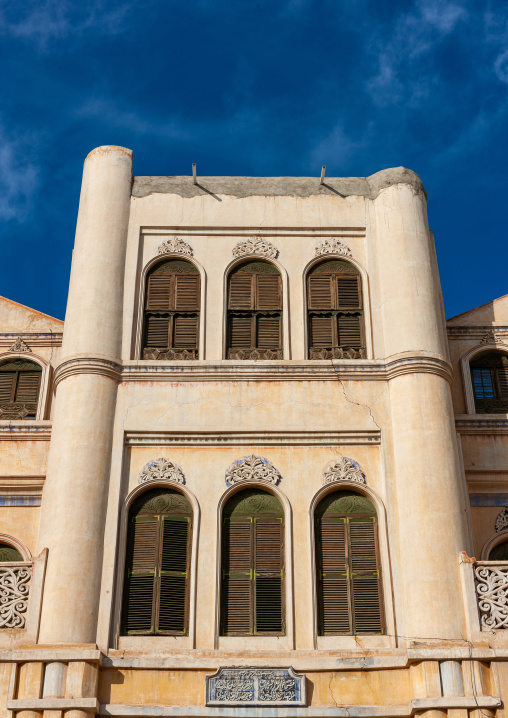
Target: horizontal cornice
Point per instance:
(199, 371)
(482, 424)
(27, 430)
(32, 339)
(252, 438)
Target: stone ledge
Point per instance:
(252, 438)
(90, 705)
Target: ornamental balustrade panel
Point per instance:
(15, 580)
(491, 584)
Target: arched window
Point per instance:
(156, 587)
(172, 300)
(335, 311)
(20, 381)
(252, 598)
(499, 552)
(9, 553)
(348, 566)
(254, 312)
(489, 374)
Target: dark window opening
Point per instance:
(20, 382)
(489, 374)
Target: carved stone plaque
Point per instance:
(255, 686)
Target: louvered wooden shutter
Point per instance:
(157, 332)
(174, 575)
(187, 293)
(269, 294)
(320, 292)
(240, 332)
(27, 389)
(268, 332)
(502, 377)
(141, 575)
(241, 291)
(6, 386)
(268, 567)
(158, 292)
(349, 330)
(348, 289)
(185, 332)
(333, 584)
(321, 331)
(237, 598)
(364, 576)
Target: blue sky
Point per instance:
(255, 87)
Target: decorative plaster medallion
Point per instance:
(492, 337)
(255, 245)
(252, 468)
(255, 686)
(332, 246)
(19, 346)
(502, 520)
(343, 470)
(161, 470)
(175, 245)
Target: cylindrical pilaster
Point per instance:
(423, 473)
(75, 495)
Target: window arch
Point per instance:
(157, 570)
(171, 317)
(254, 316)
(335, 311)
(20, 383)
(349, 589)
(252, 592)
(489, 377)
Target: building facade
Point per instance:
(256, 469)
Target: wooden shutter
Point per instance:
(27, 389)
(141, 575)
(269, 294)
(349, 330)
(187, 293)
(321, 331)
(268, 573)
(268, 332)
(320, 292)
(240, 332)
(157, 331)
(333, 585)
(364, 576)
(185, 332)
(348, 290)
(6, 386)
(158, 292)
(241, 294)
(502, 377)
(237, 555)
(482, 383)
(174, 575)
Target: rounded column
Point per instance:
(75, 493)
(423, 473)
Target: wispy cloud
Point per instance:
(53, 20)
(18, 178)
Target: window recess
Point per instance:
(20, 382)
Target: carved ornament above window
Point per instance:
(252, 469)
(255, 246)
(493, 337)
(161, 470)
(502, 520)
(344, 470)
(19, 346)
(333, 245)
(175, 245)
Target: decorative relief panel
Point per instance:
(19, 346)
(255, 686)
(502, 520)
(343, 470)
(175, 245)
(161, 470)
(14, 592)
(252, 468)
(11, 411)
(493, 337)
(255, 245)
(492, 591)
(333, 245)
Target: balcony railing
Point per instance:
(491, 584)
(15, 584)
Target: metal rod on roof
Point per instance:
(323, 170)
(194, 178)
